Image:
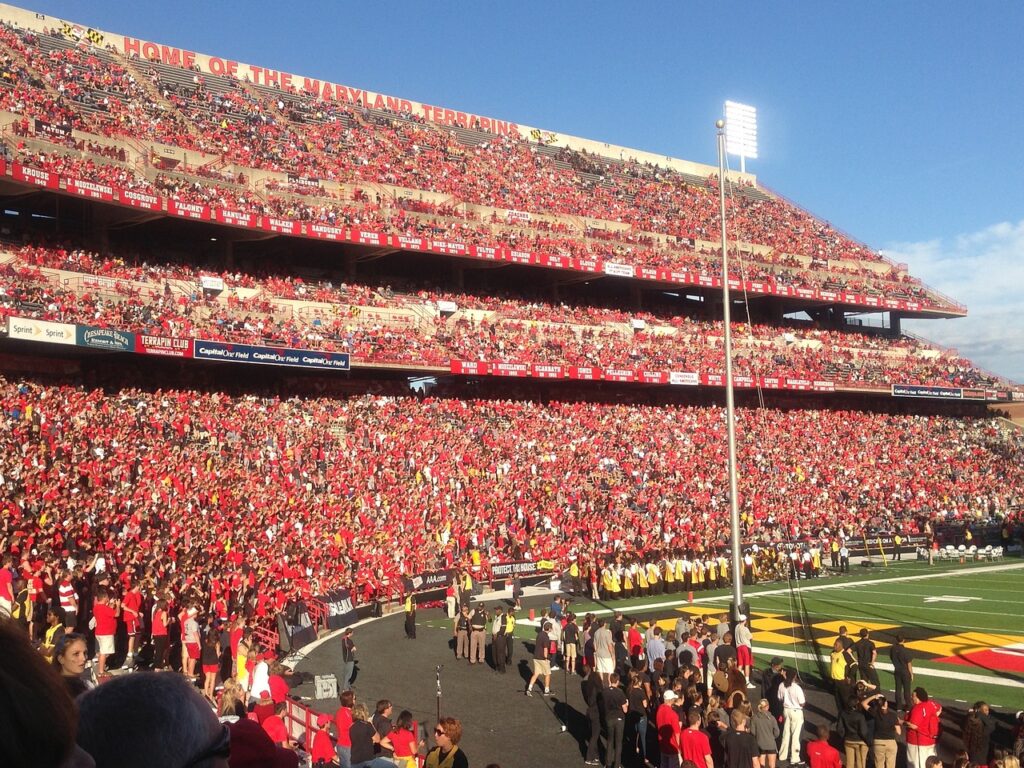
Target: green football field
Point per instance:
(963, 623)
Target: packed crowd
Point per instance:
(663, 211)
(203, 496)
(412, 330)
(691, 696)
(52, 718)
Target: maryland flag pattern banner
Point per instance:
(81, 34)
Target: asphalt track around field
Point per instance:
(500, 723)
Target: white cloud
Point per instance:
(985, 271)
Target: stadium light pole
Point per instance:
(730, 406)
(741, 132)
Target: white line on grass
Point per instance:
(918, 670)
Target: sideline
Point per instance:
(295, 658)
(638, 607)
(918, 671)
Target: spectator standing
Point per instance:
(821, 754)
(766, 731)
(740, 745)
(669, 730)
(365, 741)
(655, 648)
(322, 753)
(570, 643)
(104, 623)
(593, 693)
(343, 723)
(744, 640)
(541, 660)
(922, 728)
(348, 659)
(68, 598)
(70, 655)
(615, 706)
(903, 672)
(636, 716)
(887, 729)
(695, 745)
(977, 733)
(604, 651)
(853, 726)
(383, 725)
(792, 696)
(447, 753)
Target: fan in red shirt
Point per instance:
(131, 606)
(104, 620)
(343, 722)
(667, 721)
(922, 728)
(404, 740)
(323, 749)
(696, 746)
(821, 754)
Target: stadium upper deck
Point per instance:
(276, 151)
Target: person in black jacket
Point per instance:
(593, 692)
(853, 727)
(978, 728)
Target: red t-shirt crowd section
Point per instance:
(202, 490)
(376, 324)
(636, 214)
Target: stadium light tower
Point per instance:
(730, 405)
(741, 132)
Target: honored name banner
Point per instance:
(34, 176)
(248, 353)
(90, 189)
(40, 330)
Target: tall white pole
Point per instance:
(730, 406)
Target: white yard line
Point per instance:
(918, 670)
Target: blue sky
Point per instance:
(900, 123)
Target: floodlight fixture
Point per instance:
(741, 132)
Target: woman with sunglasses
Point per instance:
(447, 754)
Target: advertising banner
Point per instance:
(249, 353)
(167, 346)
(917, 390)
(424, 582)
(40, 330)
(104, 338)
